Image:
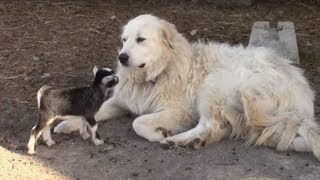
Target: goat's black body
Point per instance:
(84, 101)
(81, 102)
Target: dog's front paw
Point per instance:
(197, 143)
(62, 128)
(166, 144)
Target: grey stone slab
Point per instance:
(282, 38)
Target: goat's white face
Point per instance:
(141, 42)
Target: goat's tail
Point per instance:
(40, 93)
(303, 137)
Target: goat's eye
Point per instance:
(124, 39)
(140, 39)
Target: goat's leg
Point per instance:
(46, 134)
(34, 135)
(42, 125)
(93, 126)
(84, 131)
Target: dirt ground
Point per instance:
(58, 42)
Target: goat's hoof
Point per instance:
(31, 151)
(98, 142)
(85, 136)
(50, 143)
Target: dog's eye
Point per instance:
(124, 39)
(140, 39)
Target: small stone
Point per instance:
(112, 17)
(109, 147)
(113, 159)
(35, 58)
(193, 32)
(135, 174)
(318, 69)
(45, 75)
(21, 148)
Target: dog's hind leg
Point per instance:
(208, 130)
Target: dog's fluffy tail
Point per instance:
(303, 137)
(40, 94)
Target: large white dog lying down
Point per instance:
(173, 85)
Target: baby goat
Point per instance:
(72, 103)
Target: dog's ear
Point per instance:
(95, 70)
(168, 31)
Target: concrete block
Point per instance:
(282, 38)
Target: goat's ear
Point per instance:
(95, 70)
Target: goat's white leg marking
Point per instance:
(47, 136)
(95, 140)
(84, 131)
(31, 143)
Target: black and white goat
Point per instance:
(72, 103)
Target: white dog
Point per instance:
(227, 91)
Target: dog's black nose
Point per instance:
(123, 58)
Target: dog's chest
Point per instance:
(139, 98)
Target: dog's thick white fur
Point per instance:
(219, 90)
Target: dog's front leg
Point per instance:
(159, 125)
(109, 109)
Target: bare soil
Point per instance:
(58, 42)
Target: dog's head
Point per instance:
(148, 44)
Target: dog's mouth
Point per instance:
(142, 65)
